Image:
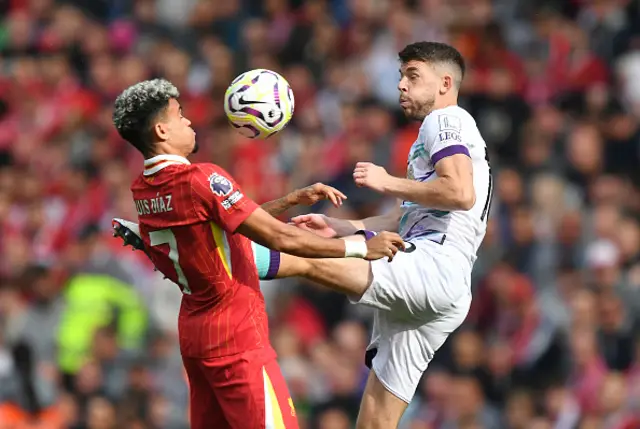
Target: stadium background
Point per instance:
(88, 330)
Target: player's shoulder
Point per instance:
(208, 168)
(204, 169)
(450, 123)
(138, 183)
(212, 176)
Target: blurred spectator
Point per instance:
(88, 331)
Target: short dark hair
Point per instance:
(138, 106)
(434, 53)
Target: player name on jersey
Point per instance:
(159, 204)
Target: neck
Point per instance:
(444, 102)
(165, 148)
(440, 104)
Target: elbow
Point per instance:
(465, 199)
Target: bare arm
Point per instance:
(306, 196)
(385, 222)
(263, 229)
(281, 205)
(451, 190)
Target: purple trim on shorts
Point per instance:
(368, 235)
(449, 151)
(274, 264)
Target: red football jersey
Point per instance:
(188, 214)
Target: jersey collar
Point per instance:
(157, 163)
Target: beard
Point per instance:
(423, 109)
(417, 111)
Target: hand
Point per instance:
(316, 223)
(371, 176)
(384, 244)
(312, 194)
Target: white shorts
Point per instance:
(420, 298)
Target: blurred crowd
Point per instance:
(88, 330)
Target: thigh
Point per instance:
(252, 394)
(400, 353)
(379, 409)
(204, 409)
(349, 276)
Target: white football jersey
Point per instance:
(443, 133)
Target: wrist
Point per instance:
(389, 185)
(292, 198)
(342, 227)
(355, 249)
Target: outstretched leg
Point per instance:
(351, 277)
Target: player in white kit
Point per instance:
(424, 293)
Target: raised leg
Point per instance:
(349, 276)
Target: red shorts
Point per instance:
(239, 393)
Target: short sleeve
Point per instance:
(443, 136)
(217, 197)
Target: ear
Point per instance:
(161, 130)
(446, 83)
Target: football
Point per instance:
(259, 103)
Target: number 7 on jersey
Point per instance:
(166, 236)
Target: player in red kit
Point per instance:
(195, 224)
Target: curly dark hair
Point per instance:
(435, 53)
(138, 106)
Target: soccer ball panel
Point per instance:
(259, 103)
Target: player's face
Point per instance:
(180, 134)
(418, 87)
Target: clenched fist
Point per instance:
(367, 174)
